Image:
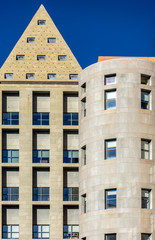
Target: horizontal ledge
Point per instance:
(39, 82)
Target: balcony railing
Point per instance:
(71, 156)
(71, 194)
(10, 156)
(70, 119)
(41, 231)
(41, 118)
(41, 156)
(10, 118)
(71, 231)
(41, 194)
(10, 231)
(10, 194)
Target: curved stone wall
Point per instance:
(128, 173)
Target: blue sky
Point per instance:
(90, 28)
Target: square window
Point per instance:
(41, 22)
(145, 99)
(51, 76)
(83, 107)
(110, 236)
(51, 40)
(110, 99)
(110, 198)
(31, 40)
(41, 57)
(145, 148)
(84, 203)
(110, 149)
(20, 57)
(8, 75)
(145, 236)
(110, 79)
(146, 197)
(145, 79)
(62, 58)
(73, 76)
(30, 75)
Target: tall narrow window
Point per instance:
(83, 88)
(145, 148)
(84, 203)
(145, 236)
(110, 102)
(110, 149)
(83, 151)
(110, 236)
(146, 193)
(145, 79)
(83, 107)
(110, 79)
(110, 198)
(145, 99)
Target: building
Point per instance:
(44, 196)
(117, 149)
(39, 136)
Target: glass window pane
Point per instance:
(111, 94)
(110, 80)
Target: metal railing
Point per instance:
(71, 156)
(70, 119)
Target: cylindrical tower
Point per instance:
(117, 150)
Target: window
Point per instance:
(83, 107)
(145, 148)
(30, 75)
(51, 40)
(110, 198)
(31, 40)
(83, 149)
(145, 236)
(51, 76)
(145, 99)
(110, 149)
(41, 231)
(73, 76)
(84, 202)
(110, 99)
(110, 79)
(145, 79)
(41, 22)
(10, 231)
(8, 75)
(62, 58)
(83, 88)
(110, 236)
(41, 57)
(146, 198)
(20, 57)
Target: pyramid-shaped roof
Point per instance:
(45, 41)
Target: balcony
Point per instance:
(10, 156)
(10, 118)
(71, 231)
(71, 194)
(41, 156)
(10, 231)
(10, 194)
(41, 231)
(70, 119)
(41, 194)
(41, 118)
(71, 156)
